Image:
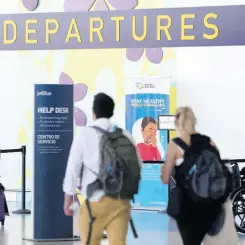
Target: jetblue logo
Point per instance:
(44, 93)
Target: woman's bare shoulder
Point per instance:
(172, 146)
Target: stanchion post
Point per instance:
(23, 177)
(23, 209)
(168, 139)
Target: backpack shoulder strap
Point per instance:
(200, 139)
(181, 144)
(82, 168)
(99, 129)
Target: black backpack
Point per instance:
(202, 174)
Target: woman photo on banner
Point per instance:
(148, 146)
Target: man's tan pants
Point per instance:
(111, 215)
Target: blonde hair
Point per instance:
(185, 120)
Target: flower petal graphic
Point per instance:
(86, 105)
(154, 55)
(123, 4)
(30, 5)
(22, 136)
(134, 54)
(100, 5)
(78, 5)
(65, 79)
(80, 117)
(80, 91)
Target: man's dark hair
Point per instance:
(146, 121)
(103, 106)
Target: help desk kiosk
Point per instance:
(53, 135)
(153, 195)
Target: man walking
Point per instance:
(110, 176)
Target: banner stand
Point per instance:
(167, 122)
(53, 240)
(145, 99)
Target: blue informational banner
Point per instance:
(53, 137)
(153, 195)
(146, 99)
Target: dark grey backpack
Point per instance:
(119, 173)
(202, 173)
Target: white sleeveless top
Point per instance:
(180, 160)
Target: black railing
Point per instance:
(223, 160)
(16, 190)
(233, 161)
(22, 150)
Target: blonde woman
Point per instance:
(194, 220)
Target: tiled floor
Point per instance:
(153, 228)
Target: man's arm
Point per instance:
(73, 169)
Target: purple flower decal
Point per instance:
(99, 5)
(154, 55)
(80, 117)
(123, 5)
(80, 91)
(30, 5)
